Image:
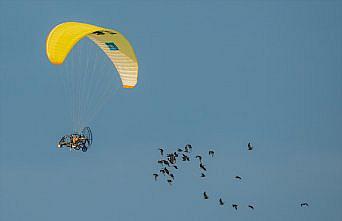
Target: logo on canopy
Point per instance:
(112, 46)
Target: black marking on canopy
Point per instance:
(98, 33)
(110, 32)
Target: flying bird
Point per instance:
(166, 171)
(237, 177)
(235, 206)
(202, 167)
(199, 157)
(221, 202)
(185, 157)
(161, 151)
(155, 176)
(189, 146)
(304, 204)
(186, 149)
(162, 171)
(205, 196)
(211, 153)
(250, 206)
(172, 176)
(169, 181)
(166, 162)
(172, 159)
(202, 175)
(179, 150)
(250, 147)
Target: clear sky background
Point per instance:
(216, 75)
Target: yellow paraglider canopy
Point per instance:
(63, 38)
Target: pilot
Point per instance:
(75, 139)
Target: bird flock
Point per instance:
(168, 163)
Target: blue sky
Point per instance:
(216, 75)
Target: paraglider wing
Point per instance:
(65, 36)
(88, 135)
